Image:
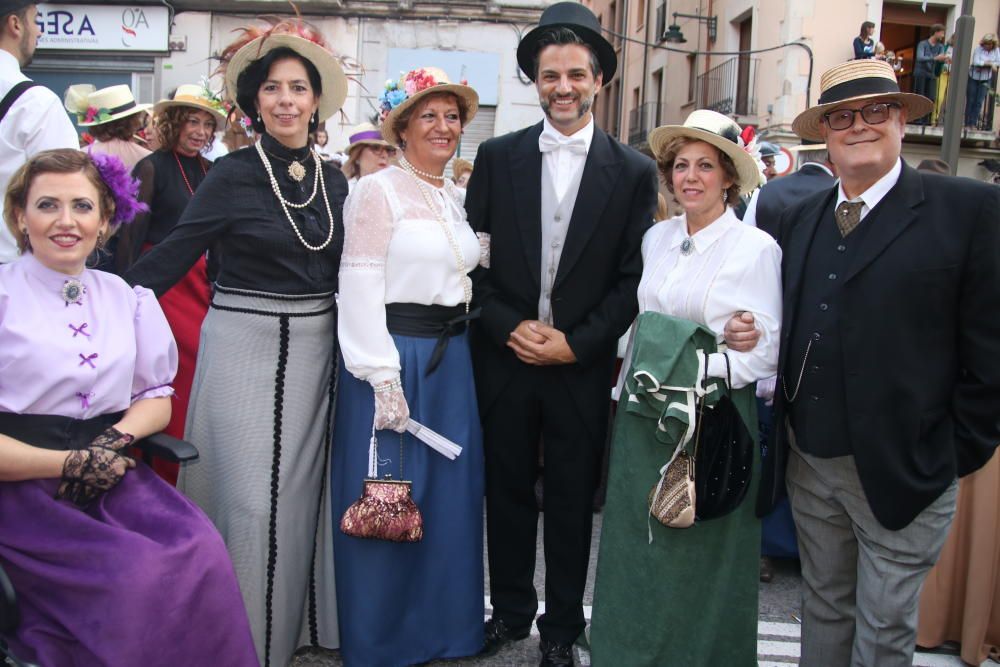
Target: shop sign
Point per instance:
(103, 27)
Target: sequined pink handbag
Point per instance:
(385, 510)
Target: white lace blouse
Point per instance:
(733, 267)
(395, 251)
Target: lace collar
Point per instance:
(276, 149)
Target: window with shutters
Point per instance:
(479, 130)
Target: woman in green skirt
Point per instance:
(669, 596)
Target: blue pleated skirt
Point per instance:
(403, 604)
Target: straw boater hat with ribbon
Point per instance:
(96, 107)
(196, 97)
(581, 21)
(723, 133)
(857, 81)
(398, 96)
(298, 36)
(363, 135)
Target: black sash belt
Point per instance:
(55, 431)
(433, 321)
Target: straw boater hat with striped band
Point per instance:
(96, 107)
(723, 133)
(397, 96)
(857, 81)
(195, 97)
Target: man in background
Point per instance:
(32, 118)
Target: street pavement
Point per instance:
(777, 629)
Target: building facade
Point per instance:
(154, 47)
(760, 61)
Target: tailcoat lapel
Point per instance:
(600, 175)
(526, 175)
(896, 211)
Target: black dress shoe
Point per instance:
(497, 635)
(556, 654)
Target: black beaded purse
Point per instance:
(723, 455)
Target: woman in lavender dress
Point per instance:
(111, 565)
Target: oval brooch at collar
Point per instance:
(687, 246)
(73, 291)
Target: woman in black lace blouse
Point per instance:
(185, 125)
(260, 404)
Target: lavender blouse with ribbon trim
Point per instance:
(82, 359)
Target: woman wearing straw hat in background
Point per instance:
(404, 308)
(260, 408)
(367, 153)
(185, 125)
(699, 585)
(113, 118)
(461, 171)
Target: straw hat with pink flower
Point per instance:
(398, 96)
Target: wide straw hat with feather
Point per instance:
(296, 34)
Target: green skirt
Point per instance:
(689, 598)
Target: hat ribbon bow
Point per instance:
(548, 142)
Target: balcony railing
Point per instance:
(641, 121)
(730, 87)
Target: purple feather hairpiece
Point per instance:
(124, 188)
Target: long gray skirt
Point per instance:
(261, 414)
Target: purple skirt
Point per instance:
(140, 577)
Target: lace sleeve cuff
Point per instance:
(484, 249)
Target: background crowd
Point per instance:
(810, 363)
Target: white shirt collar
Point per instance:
(873, 195)
(9, 65)
(704, 238)
(586, 132)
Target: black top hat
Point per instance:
(580, 20)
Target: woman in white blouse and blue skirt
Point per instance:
(698, 586)
(403, 313)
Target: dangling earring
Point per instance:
(100, 239)
(724, 196)
(258, 117)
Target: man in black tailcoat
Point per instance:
(565, 206)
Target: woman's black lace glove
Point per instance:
(113, 439)
(87, 473)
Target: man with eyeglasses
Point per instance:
(889, 374)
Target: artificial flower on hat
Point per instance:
(398, 95)
(409, 84)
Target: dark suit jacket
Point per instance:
(594, 297)
(920, 333)
(782, 192)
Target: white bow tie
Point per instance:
(550, 142)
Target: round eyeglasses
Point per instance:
(873, 114)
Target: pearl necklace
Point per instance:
(445, 227)
(318, 184)
(413, 170)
